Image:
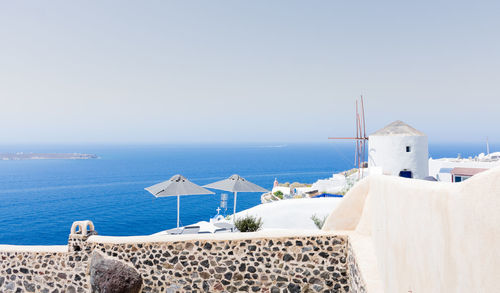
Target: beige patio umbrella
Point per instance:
(176, 186)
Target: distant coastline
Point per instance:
(45, 156)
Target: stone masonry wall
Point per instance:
(43, 272)
(310, 264)
(285, 264)
(356, 281)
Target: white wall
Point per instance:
(302, 190)
(283, 189)
(428, 236)
(436, 165)
(292, 213)
(389, 152)
(334, 184)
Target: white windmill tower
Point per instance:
(399, 149)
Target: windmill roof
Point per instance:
(398, 128)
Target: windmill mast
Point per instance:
(360, 138)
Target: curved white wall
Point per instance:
(389, 153)
(428, 236)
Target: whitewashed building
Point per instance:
(400, 150)
(460, 169)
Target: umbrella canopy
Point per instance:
(176, 186)
(236, 184)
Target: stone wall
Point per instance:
(43, 272)
(315, 264)
(356, 281)
(318, 263)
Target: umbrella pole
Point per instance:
(178, 208)
(234, 210)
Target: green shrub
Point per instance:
(278, 194)
(248, 224)
(319, 222)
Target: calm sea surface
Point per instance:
(40, 199)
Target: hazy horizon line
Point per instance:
(263, 143)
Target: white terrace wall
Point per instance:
(232, 262)
(428, 236)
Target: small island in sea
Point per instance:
(46, 156)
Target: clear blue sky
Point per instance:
(242, 71)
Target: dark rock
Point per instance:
(323, 254)
(242, 267)
(287, 257)
(29, 286)
(24, 270)
(252, 269)
(207, 246)
(206, 287)
(281, 279)
(112, 276)
(228, 276)
(2, 279)
(205, 263)
(174, 260)
(293, 288)
(61, 275)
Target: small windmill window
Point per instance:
(408, 149)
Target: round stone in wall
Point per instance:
(112, 276)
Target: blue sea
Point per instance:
(40, 199)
